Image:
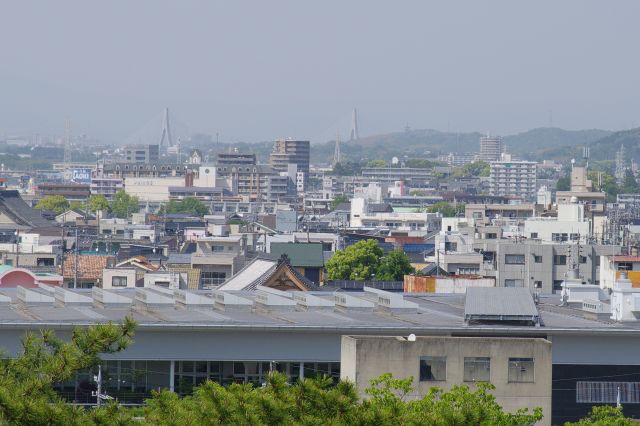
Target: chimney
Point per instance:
(188, 179)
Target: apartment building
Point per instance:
(515, 179)
(491, 148)
(289, 151)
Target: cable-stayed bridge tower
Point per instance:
(166, 140)
(354, 136)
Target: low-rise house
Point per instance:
(88, 272)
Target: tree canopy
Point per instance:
(347, 168)
(124, 204)
(54, 203)
(447, 209)
(189, 205)
(338, 199)
(365, 260)
(475, 168)
(98, 202)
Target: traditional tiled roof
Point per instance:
(12, 205)
(261, 271)
(90, 267)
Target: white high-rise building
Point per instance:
(491, 148)
(513, 179)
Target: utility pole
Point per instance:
(75, 272)
(98, 393)
(17, 248)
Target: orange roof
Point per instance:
(626, 258)
(90, 267)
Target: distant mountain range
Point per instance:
(536, 144)
(533, 144)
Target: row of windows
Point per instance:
(476, 369)
(519, 259)
(210, 280)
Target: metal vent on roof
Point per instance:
(500, 304)
(185, 298)
(226, 301)
(32, 296)
(309, 302)
(4, 300)
(147, 298)
(272, 299)
(346, 301)
(65, 297)
(392, 302)
(106, 299)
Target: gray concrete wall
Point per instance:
(364, 358)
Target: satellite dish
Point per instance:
(394, 160)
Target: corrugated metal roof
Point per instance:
(500, 304)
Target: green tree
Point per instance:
(376, 163)
(54, 203)
(98, 202)
(474, 169)
(446, 209)
(630, 184)
(388, 405)
(124, 204)
(357, 262)
(603, 181)
(421, 164)
(189, 205)
(563, 184)
(604, 415)
(347, 168)
(338, 199)
(26, 381)
(394, 266)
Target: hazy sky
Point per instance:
(256, 70)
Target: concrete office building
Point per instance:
(491, 148)
(519, 368)
(141, 153)
(235, 158)
(289, 151)
(513, 179)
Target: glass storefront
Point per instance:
(130, 382)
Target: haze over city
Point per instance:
(254, 71)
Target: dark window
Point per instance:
(210, 280)
(534, 235)
(45, 261)
(514, 259)
(433, 368)
(557, 285)
(537, 259)
(537, 284)
(625, 266)
(560, 259)
(583, 259)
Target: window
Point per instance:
(521, 370)
(557, 285)
(433, 368)
(491, 236)
(44, 261)
(450, 246)
(625, 266)
(559, 259)
(209, 280)
(513, 283)
(607, 392)
(514, 259)
(477, 215)
(559, 237)
(477, 369)
(217, 248)
(582, 259)
(537, 284)
(537, 259)
(534, 235)
(574, 237)
(164, 284)
(118, 281)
